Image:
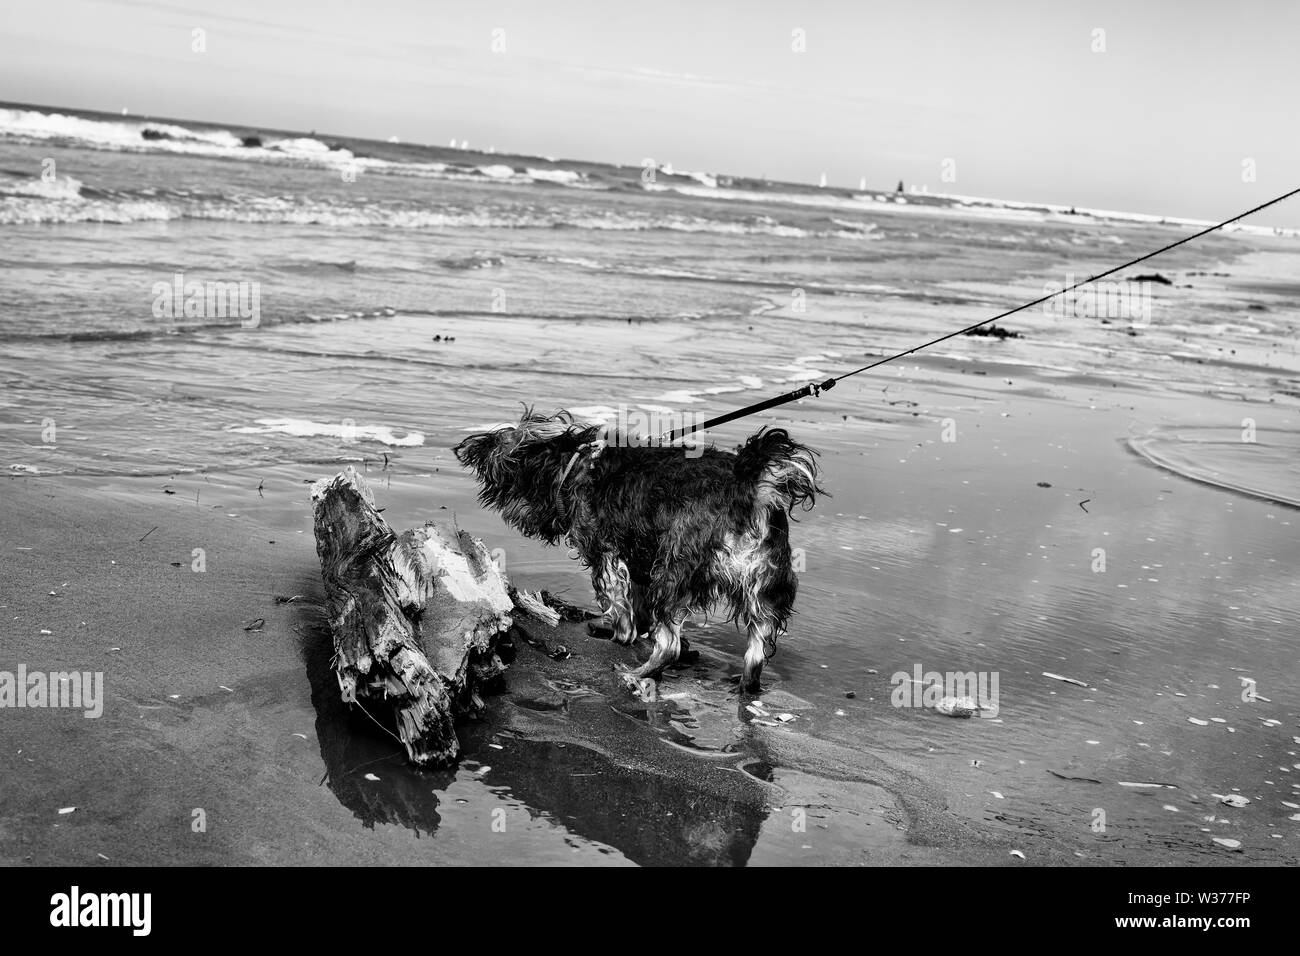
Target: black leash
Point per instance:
(817, 388)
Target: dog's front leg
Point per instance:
(613, 586)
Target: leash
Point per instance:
(815, 389)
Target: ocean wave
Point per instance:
(863, 203)
(344, 431)
(562, 177)
(139, 135)
(59, 188)
(221, 325)
(34, 204)
(129, 134)
(478, 260)
(152, 136)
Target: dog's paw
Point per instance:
(644, 688)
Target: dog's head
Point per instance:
(519, 466)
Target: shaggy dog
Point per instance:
(665, 533)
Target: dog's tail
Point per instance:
(782, 472)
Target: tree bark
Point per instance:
(416, 617)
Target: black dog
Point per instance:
(666, 532)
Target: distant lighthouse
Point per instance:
(823, 182)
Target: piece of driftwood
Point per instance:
(416, 616)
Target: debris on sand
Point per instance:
(994, 331)
(534, 605)
(957, 707)
(1132, 783)
(1153, 277)
(1198, 722)
(569, 612)
(1017, 854)
(1066, 776)
(63, 810)
(1068, 680)
(417, 617)
(1230, 844)
(1231, 799)
(371, 776)
(256, 625)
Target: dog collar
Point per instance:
(594, 447)
(569, 467)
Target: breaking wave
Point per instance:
(65, 200)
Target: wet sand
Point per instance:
(202, 714)
(246, 725)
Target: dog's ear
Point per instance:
(474, 451)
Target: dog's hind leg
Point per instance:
(613, 587)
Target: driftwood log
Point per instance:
(416, 617)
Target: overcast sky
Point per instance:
(1025, 100)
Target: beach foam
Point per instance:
(306, 428)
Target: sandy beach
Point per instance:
(203, 714)
(1094, 514)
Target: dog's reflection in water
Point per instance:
(650, 817)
